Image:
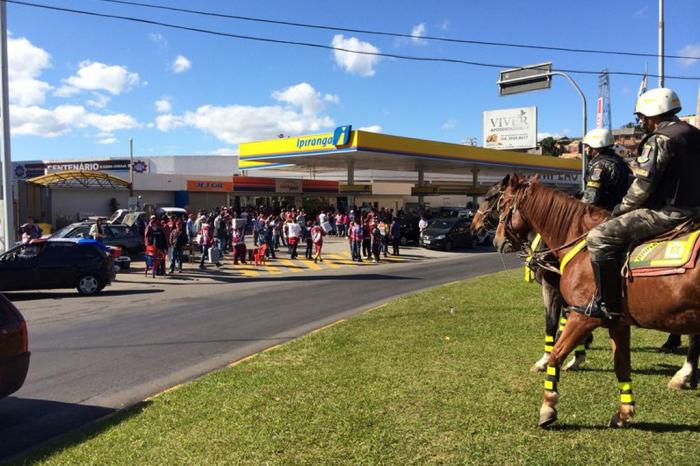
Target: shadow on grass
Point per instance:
(77, 434)
(27, 423)
(657, 427)
(659, 369)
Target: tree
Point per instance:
(634, 125)
(549, 146)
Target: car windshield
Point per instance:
(443, 223)
(63, 232)
(115, 215)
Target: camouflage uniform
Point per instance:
(607, 180)
(663, 194)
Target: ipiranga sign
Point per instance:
(510, 128)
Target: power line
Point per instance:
(318, 46)
(392, 34)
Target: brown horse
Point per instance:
(668, 303)
(485, 219)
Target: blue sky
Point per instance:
(81, 86)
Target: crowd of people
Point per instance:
(224, 230)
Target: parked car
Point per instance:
(14, 348)
(118, 216)
(408, 229)
(129, 239)
(447, 233)
(179, 212)
(56, 263)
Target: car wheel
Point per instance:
(88, 285)
(448, 245)
(403, 241)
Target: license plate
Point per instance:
(425, 241)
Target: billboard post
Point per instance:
(535, 77)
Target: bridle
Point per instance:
(489, 215)
(506, 218)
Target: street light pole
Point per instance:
(8, 226)
(584, 125)
(131, 167)
(661, 43)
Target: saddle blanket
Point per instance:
(665, 257)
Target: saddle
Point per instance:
(673, 253)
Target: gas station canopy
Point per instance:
(362, 150)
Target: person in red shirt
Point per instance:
(317, 234)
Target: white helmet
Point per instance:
(598, 138)
(657, 102)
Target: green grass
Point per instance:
(408, 383)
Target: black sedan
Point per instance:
(447, 233)
(14, 348)
(56, 263)
(123, 236)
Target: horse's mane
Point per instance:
(560, 214)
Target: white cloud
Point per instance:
(545, 135)
(168, 122)
(690, 50)
(332, 98)
(107, 141)
(26, 62)
(38, 121)
(417, 33)
(371, 129)
(353, 62)
(225, 151)
(95, 76)
(158, 39)
(305, 96)
(241, 123)
(100, 100)
(450, 124)
(181, 64)
(164, 105)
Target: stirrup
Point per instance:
(596, 310)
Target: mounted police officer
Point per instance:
(608, 175)
(663, 195)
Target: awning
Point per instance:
(80, 179)
(373, 151)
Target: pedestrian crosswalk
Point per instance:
(331, 261)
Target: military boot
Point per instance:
(607, 303)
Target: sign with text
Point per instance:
(210, 186)
(424, 190)
(511, 128)
(355, 189)
(288, 186)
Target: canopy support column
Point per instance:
(475, 184)
(421, 182)
(351, 181)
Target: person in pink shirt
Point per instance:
(317, 235)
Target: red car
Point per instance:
(14, 348)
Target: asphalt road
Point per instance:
(91, 357)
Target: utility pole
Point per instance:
(661, 43)
(131, 167)
(8, 225)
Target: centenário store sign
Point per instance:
(511, 128)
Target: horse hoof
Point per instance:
(618, 423)
(676, 384)
(575, 363)
(548, 416)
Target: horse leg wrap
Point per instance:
(551, 380)
(548, 343)
(626, 396)
(562, 323)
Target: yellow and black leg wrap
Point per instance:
(551, 380)
(580, 349)
(548, 343)
(626, 396)
(562, 323)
